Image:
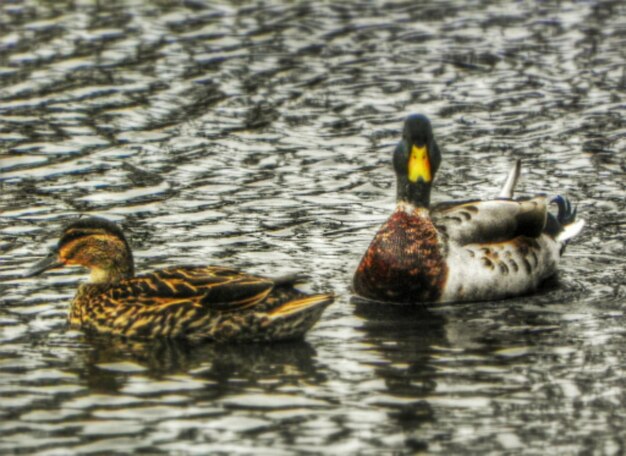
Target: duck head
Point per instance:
(416, 160)
(94, 243)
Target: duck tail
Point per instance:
(296, 316)
(566, 218)
(511, 181)
(303, 304)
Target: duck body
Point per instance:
(460, 251)
(413, 259)
(499, 248)
(195, 303)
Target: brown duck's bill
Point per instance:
(49, 262)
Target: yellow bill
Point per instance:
(419, 165)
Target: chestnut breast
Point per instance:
(405, 261)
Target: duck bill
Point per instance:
(49, 262)
(419, 164)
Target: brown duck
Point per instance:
(192, 302)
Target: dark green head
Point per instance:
(94, 243)
(416, 160)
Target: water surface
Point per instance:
(260, 137)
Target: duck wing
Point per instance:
(214, 288)
(478, 221)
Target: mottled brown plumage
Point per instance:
(404, 262)
(191, 302)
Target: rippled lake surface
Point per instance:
(259, 136)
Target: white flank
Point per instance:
(470, 280)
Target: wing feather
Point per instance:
(491, 221)
(214, 288)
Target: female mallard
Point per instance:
(459, 251)
(192, 302)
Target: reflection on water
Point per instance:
(260, 137)
(216, 363)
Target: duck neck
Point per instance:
(416, 194)
(110, 274)
(116, 265)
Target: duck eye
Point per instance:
(68, 251)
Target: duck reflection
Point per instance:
(406, 337)
(441, 353)
(109, 361)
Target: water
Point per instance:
(260, 136)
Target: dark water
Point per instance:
(259, 136)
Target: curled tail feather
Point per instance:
(511, 181)
(305, 303)
(566, 218)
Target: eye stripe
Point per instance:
(68, 250)
(79, 246)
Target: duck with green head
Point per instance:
(459, 251)
(191, 302)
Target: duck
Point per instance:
(459, 251)
(195, 303)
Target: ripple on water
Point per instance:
(260, 137)
(274, 401)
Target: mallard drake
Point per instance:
(191, 302)
(462, 250)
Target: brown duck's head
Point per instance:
(416, 160)
(94, 243)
